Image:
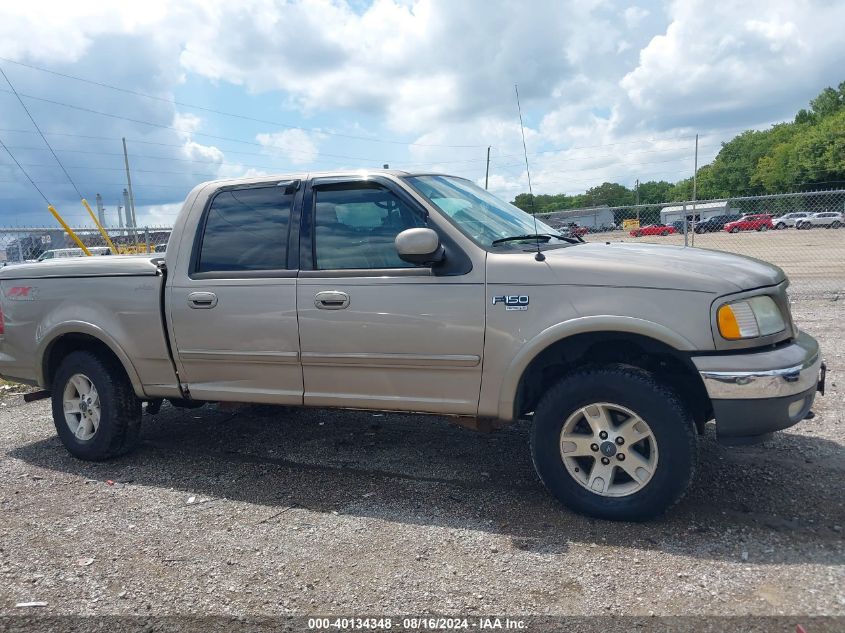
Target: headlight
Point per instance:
(749, 318)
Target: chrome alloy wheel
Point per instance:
(608, 449)
(81, 404)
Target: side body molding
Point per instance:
(581, 325)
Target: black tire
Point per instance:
(664, 233)
(780, 226)
(763, 227)
(120, 410)
(637, 390)
(836, 224)
(735, 230)
(699, 230)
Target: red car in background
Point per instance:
(756, 222)
(653, 229)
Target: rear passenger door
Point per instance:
(234, 314)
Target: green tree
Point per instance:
(611, 194)
(654, 191)
(809, 151)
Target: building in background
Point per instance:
(592, 218)
(703, 211)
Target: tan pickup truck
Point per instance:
(420, 292)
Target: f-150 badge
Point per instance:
(512, 302)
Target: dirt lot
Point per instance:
(273, 511)
(813, 259)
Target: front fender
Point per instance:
(581, 325)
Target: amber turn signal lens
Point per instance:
(728, 325)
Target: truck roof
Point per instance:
(317, 174)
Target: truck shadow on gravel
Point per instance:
(776, 503)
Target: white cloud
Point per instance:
(604, 89)
(746, 62)
(634, 15)
(298, 146)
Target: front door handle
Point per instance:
(202, 300)
(331, 300)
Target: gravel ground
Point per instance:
(273, 511)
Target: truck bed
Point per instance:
(132, 265)
(116, 299)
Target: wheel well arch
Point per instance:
(673, 367)
(63, 345)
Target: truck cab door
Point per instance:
(377, 332)
(233, 311)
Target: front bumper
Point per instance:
(756, 393)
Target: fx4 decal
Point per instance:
(21, 293)
(512, 302)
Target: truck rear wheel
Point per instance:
(95, 410)
(614, 443)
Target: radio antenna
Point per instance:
(539, 256)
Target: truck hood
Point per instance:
(659, 266)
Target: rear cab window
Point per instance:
(245, 230)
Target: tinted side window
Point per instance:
(246, 229)
(355, 226)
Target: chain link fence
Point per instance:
(29, 244)
(803, 233)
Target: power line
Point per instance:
(229, 114)
(25, 173)
(44, 138)
(188, 132)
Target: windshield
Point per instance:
(481, 215)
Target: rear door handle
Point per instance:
(202, 300)
(331, 300)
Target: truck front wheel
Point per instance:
(614, 443)
(95, 410)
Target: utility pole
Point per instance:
(130, 209)
(694, 186)
(637, 188)
(101, 212)
(487, 173)
(127, 211)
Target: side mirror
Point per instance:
(419, 246)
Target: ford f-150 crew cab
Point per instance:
(420, 292)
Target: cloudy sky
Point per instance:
(610, 90)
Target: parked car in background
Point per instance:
(716, 223)
(756, 222)
(653, 229)
(678, 225)
(827, 219)
(63, 253)
(790, 219)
